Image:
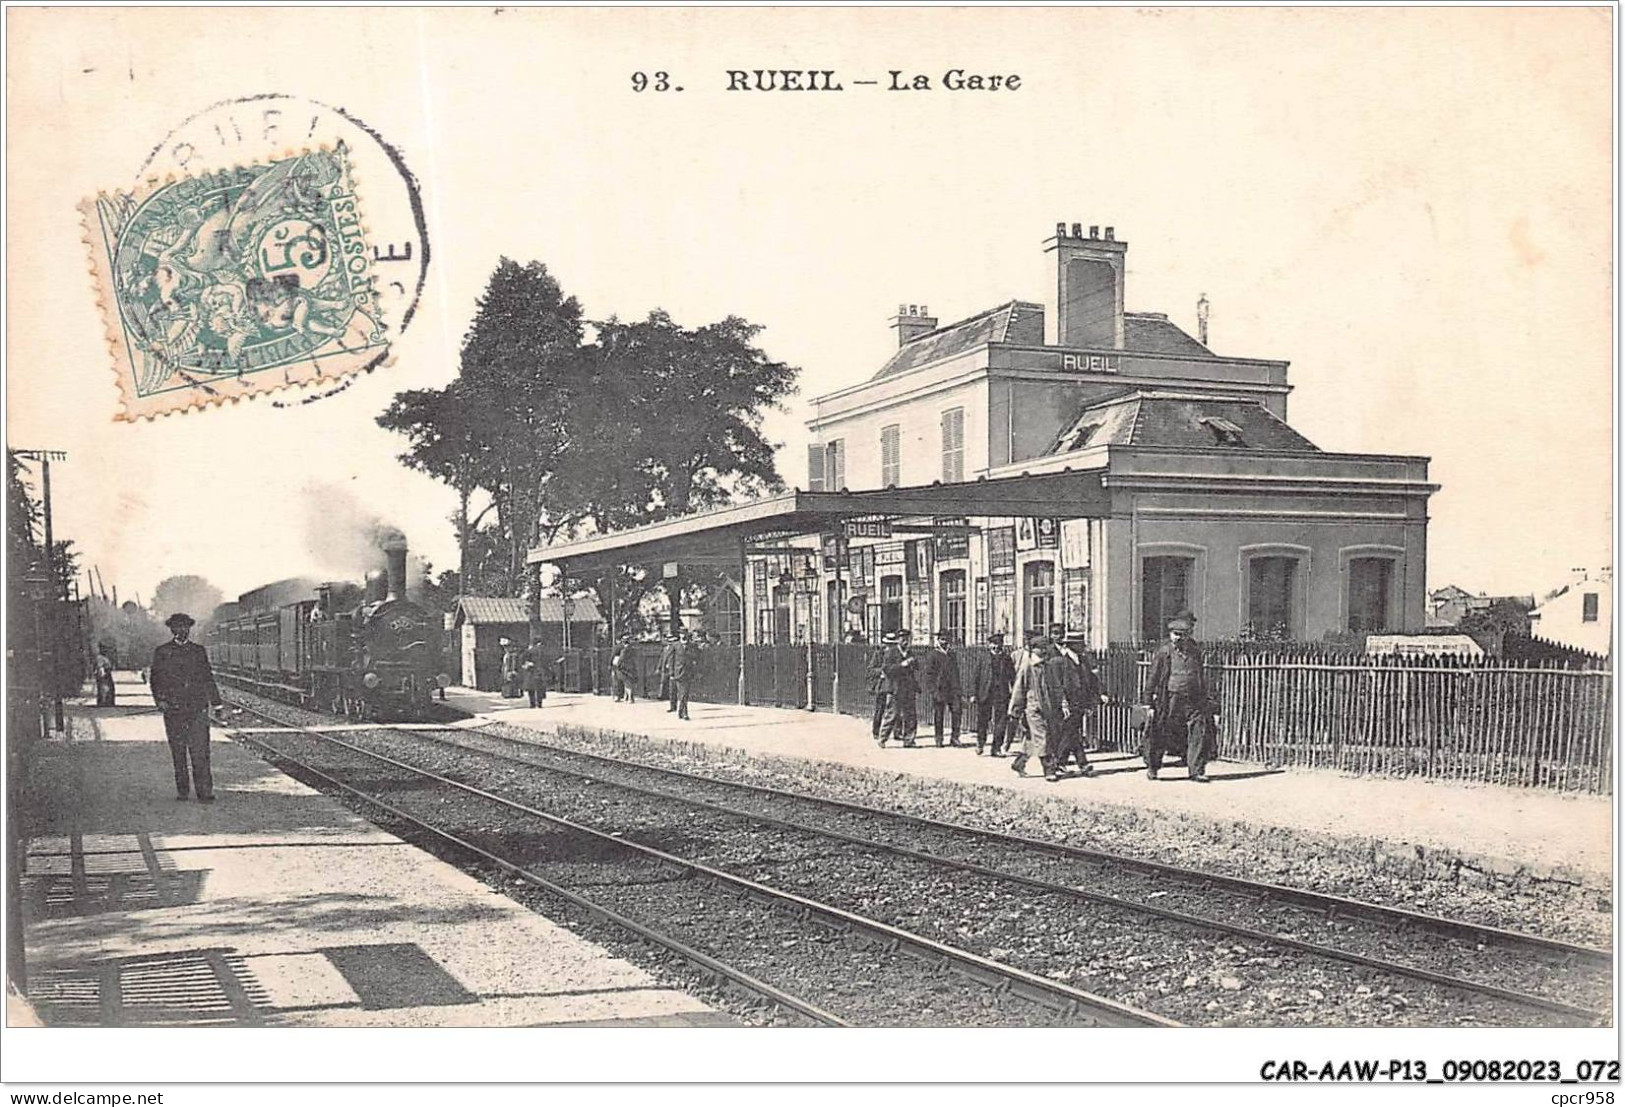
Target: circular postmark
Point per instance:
(254, 129)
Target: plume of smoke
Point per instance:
(345, 537)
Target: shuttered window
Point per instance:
(815, 468)
(953, 445)
(835, 465)
(891, 461)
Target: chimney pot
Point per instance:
(1111, 234)
(1094, 231)
(1077, 230)
(924, 310)
(902, 309)
(1060, 230)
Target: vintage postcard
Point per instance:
(1090, 521)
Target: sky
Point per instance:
(1412, 206)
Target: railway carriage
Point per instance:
(380, 660)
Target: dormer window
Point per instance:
(1225, 433)
(1078, 437)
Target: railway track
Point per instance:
(1497, 1003)
(658, 896)
(1474, 938)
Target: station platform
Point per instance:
(276, 906)
(1542, 832)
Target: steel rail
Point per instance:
(1527, 999)
(1333, 905)
(710, 964)
(1074, 1002)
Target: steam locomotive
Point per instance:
(380, 660)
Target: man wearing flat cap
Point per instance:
(1181, 703)
(183, 688)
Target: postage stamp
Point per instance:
(229, 284)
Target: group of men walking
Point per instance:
(1041, 702)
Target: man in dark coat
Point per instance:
(183, 688)
(901, 687)
(668, 687)
(991, 674)
(1181, 701)
(623, 671)
(534, 673)
(940, 677)
(877, 681)
(1087, 694)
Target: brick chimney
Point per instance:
(1087, 306)
(911, 321)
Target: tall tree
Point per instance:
(649, 420)
(502, 426)
(692, 402)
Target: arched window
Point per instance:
(727, 618)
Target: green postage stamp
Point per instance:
(229, 284)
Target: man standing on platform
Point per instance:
(668, 686)
(877, 681)
(685, 668)
(535, 673)
(621, 671)
(991, 675)
(183, 688)
(902, 686)
(1181, 705)
(941, 678)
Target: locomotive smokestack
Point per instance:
(395, 551)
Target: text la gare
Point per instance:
(955, 80)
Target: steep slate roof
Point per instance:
(482, 610)
(1174, 419)
(1150, 332)
(1012, 322)
(1144, 332)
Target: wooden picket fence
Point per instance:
(1443, 718)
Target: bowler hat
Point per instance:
(996, 636)
(179, 619)
(1183, 621)
(945, 636)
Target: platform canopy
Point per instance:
(720, 536)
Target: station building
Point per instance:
(1215, 502)
(1060, 462)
